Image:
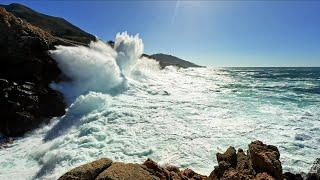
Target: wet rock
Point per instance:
(87, 171)
(25, 105)
(265, 158)
(229, 156)
(5, 141)
(314, 173)
(155, 169)
(291, 176)
(26, 69)
(219, 170)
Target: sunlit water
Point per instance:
(176, 116)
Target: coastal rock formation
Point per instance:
(260, 163)
(169, 60)
(314, 173)
(88, 171)
(106, 169)
(56, 26)
(26, 70)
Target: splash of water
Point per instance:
(99, 67)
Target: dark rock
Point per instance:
(291, 176)
(265, 158)
(230, 156)
(169, 60)
(5, 141)
(25, 106)
(243, 163)
(219, 170)
(26, 70)
(54, 25)
(314, 173)
(261, 162)
(87, 171)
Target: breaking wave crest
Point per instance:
(99, 67)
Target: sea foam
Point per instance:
(99, 67)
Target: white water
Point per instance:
(127, 109)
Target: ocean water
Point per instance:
(128, 109)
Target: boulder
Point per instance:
(128, 171)
(87, 171)
(261, 162)
(265, 158)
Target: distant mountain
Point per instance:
(169, 60)
(54, 25)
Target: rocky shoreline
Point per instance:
(260, 162)
(27, 101)
(26, 71)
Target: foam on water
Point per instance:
(126, 108)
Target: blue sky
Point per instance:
(232, 33)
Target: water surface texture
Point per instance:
(176, 116)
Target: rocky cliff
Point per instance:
(56, 26)
(26, 70)
(260, 162)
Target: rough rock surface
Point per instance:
(265, 158)
(56, 26)
(261, 162)
(106, 169)
(26, 70)
(232, 166)
(87, 171)
(314, 173)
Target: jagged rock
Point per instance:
(261, 162)
(155, 169)
(87, 171)
(230, 156)
(219, 170)
(265, 158)
(54, 25)
(243, 168)
(243, 163)
(314, 173)
(26, 69)
(25, 105)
